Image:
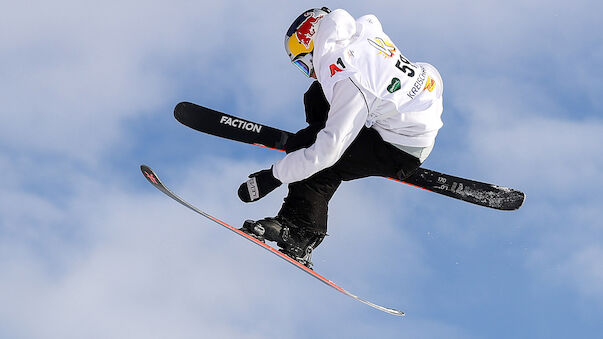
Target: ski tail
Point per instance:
(475, 192)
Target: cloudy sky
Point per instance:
(88, 249)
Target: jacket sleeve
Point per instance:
(347, 116)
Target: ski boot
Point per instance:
(294, 241)
(265, 229)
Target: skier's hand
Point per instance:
(258, 186)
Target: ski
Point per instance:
(150, 175)
(227, 126)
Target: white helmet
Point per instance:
(299, 42)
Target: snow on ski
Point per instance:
(227, 126)
(150, 175)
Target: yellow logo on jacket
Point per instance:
(430, 84)
(384, 47)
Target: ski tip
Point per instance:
(145, 169)
(395, 312)
(179, 109)
(149, 174)
(391, 311)
(515, 201)
(521, 200)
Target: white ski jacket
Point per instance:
(367, 82)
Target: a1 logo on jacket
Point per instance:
(335, 67)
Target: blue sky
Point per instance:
(89, 249)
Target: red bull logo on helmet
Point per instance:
(307, 29)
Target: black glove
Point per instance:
(258, 186)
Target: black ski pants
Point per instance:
(306, 204)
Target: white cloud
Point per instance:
(82, 257)
(584, 269)
(523, 138)
(72, 78)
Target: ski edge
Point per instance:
(154, 180)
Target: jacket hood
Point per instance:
(335, 31)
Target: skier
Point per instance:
(371, 112)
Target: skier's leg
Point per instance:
(370, 155)
(306, 204)
(301, 224)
